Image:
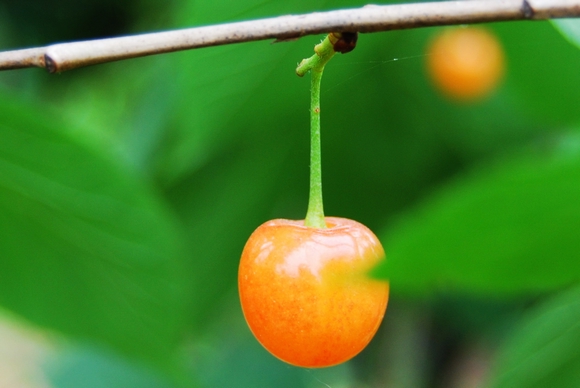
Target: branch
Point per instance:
(370, 18)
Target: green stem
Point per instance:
(315, 64)
(315, 213)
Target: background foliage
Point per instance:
(127, 191)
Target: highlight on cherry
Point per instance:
(304, 285)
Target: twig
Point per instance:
(370, 18)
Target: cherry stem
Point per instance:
(315, 64)
(315, 213)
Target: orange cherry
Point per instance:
(466, 63)
(305, 292)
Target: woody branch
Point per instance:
(370, 18)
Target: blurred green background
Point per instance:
(127, 192)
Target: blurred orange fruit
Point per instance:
(466, 63)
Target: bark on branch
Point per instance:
(370, 18)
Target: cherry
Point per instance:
(305, 292)
(303, 285)
(466, 63)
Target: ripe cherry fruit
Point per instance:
(305, 291)
(466, 63)
(304, 285)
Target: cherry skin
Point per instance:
(306, 294)
(466, 63)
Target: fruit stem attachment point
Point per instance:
(324, 51)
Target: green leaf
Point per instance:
(570, 28)
(87, 247)
(548, 99)
(511, 227)
(545, 348)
